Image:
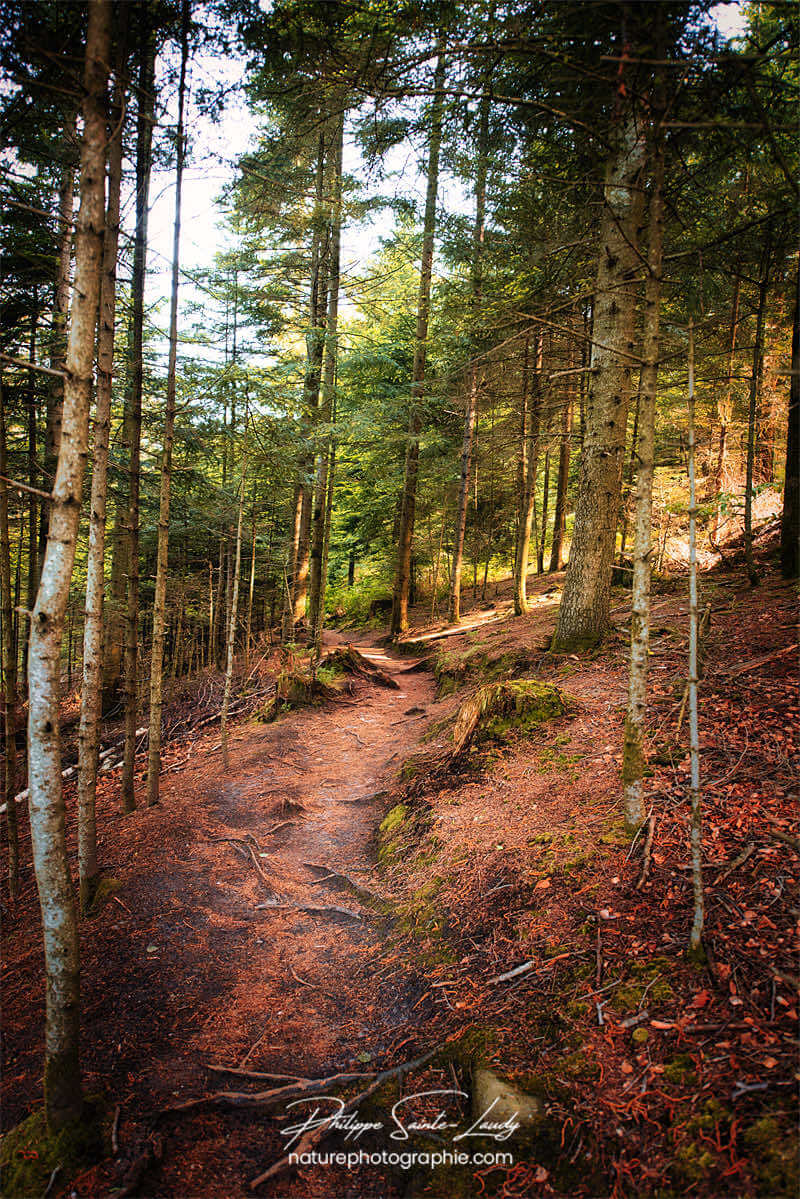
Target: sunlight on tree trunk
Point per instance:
(755, 387)
(62, 1082)
(402, 580)
(91, 690)
(162, 565)
(9, 665)
(583, 613)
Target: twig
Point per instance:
(294, 907)
(115, 1131)
(315, 1135)
(263, 1075)
(648, 845)
(736, 863)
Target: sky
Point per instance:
(215, 149)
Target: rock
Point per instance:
(506, 1101)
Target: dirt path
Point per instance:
(184, 970)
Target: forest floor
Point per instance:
(642, 1074)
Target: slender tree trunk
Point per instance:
(402, 580)
(755, 386)
(583, 614)
(33, 555)
(251, 590)
(478, 233)
(133, 411)
(560, 514)
(696, 817)
(315, 346)
(58, 345)
(9, 663)
(528, 459)
(633, 761)
(316, 608)
(62, 1081)
(545, 498)
(623, 539)
(91, 691)
(162, 563)
(790, 519)
(231, 630)
(725, 404)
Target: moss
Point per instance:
(580, 1066)
(453, 669)
(680, 1071)
(692, 1163)
(646, 981)
(106, 888)
(31, 1152)
(772, 1148)
(640, 1036)
(615, 833)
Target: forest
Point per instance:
(399, 545)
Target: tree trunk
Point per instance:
(62, 1082)
(623, 538)
(725, 405)
(583, 614)
(560, 514)
(133, 409)
(478, 232)
(315, 346)
(231, 630)
(633, 762)
(405, 540)
(58, 344)
(790, 519)
(545, 499)
(91, 691)
(529, 452)
(162, 564)
(316, 606)
(9, 664)
(755, 385)
(251, 590)
(33, 555)
(695, 818)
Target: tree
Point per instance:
(408, 500)
(583, 613)
(790, 519)
(91, 691)
(162, 563)
(63, 1093)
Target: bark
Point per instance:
(623, 540)
(583, 614)
(790, 519)
(33, 556)
(545, 500)
(529, 453)
(251, 590)
(9, 664)
(316, 606)
(62, 1082)
(725, 405)
(755, 387)
(315, 346)
(633, 761)
(231, 630)
(560, 514)
(91, 691)
(402, 581)
(55, 397)
(478, 233)
(133, 411)
(695, 819)
(162, 564)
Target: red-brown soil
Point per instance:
(517, 860)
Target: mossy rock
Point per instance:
(30, 1152)
(401, 830)
(104, 891)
